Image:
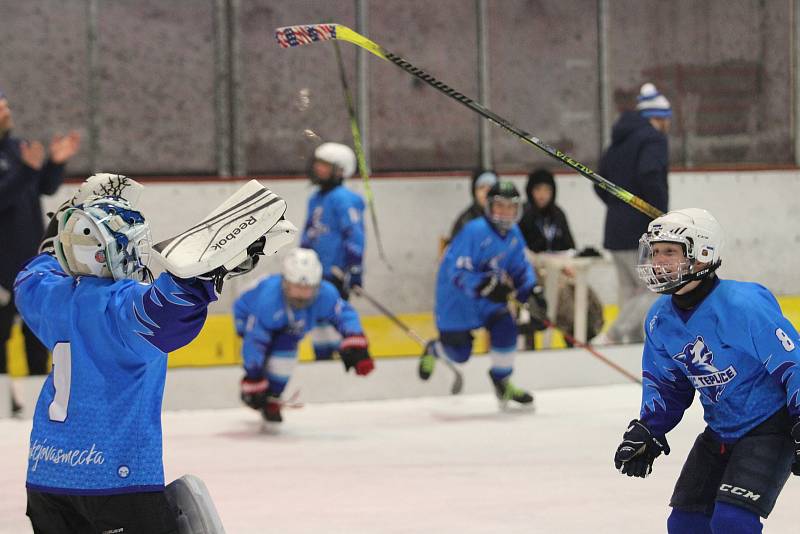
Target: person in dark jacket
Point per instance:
(543, 223)
(481, 183)
(25, 174)
(638, 161)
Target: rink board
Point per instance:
(393, 378)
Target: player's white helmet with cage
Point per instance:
(340, 156)
(302, 276)
(701, 239)
(104, 237)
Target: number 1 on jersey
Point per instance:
(62, 381)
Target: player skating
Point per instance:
(273, 318)
(482, 268)
(729, 341)
(95, 458)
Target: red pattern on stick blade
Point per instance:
(291, 36)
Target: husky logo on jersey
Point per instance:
(705, 378)
(315, 227)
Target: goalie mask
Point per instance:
(302, 275)
(340, 158)
(104, 237)
(503, 206)
(679, 247)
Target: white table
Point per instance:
(552, 263)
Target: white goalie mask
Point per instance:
(340, 156)
(302, 275)
(665, 269)
(104, 237)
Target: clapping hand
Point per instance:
(63, 147)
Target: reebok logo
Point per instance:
(234, 233)
(740, 492)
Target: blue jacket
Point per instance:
(268, 325)
(476, 253)
(97, 423)
(20, 210)
(334, 229)
(735, 348)
(638, 161)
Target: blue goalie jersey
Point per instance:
(97, 423)
(476, 253)
(735, 348)
(335, 229)
(269, 325)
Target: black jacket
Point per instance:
(638, 161)
(472, 212)
(21, 217)
(545, 229)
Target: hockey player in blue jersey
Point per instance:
(483, 267)
(334, 229)
(95, 457)
(729, 342)
(274, 317)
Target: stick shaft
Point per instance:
(360, 156)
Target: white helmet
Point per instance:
(301, 267)
(702, 240)
(104, 237)
(340, 156)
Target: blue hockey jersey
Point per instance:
(264, 315)
(334, 229)
(735, 348)
(97, 423)
(476, 253)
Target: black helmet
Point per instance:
(504, 192)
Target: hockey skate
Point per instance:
(427, 361)
(506, 392)
(272, 411)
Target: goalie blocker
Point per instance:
(229, 240)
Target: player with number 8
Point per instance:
(729, 342)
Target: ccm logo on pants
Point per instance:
(741, 492)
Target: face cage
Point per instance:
(663, 278)
(127, 254)
(297, 303)
(504, 224)
(334, 179)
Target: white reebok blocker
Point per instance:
(223, 237)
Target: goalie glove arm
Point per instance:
(168, 314)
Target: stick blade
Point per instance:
(303, 34)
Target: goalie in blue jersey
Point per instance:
(95, 457)
(729, 342)
(273, 318)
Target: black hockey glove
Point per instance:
(537, 306)
(495, 288)
(354, 354)
(796, 438)
(635, 455)
(254, 392)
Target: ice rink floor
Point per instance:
(446, 464)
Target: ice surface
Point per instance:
(447, 464)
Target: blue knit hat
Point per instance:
(651, 103)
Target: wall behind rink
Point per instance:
(756, 208)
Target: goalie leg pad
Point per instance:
(194, 510)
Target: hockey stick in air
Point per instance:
(458, 379)
(293, 36)
(359, 149)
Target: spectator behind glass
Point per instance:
(638, 161)
(481, 183)
(25, 174)
(543, 223)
